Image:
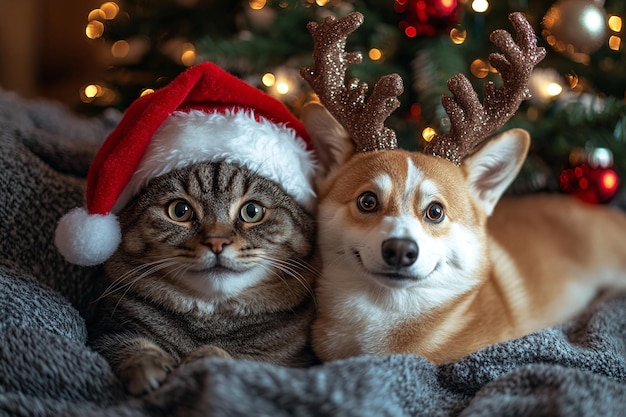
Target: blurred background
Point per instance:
(92, 55)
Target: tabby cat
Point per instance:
(214, 261)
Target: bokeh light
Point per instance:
(428, 133)
(94, 29)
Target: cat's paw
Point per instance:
(146, 371)
(206, 351)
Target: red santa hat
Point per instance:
(204, 115)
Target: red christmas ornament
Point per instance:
(591, 177)
(427, 17)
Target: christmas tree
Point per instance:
(576, 116)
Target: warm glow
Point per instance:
(479, 68)
(120, 49)
(480, 6)
(428, 133)
(268, 79)
(282, 88)
(615, 42)
(110, 10)
(448, 5)
(458, 35)
(553, 89)
(375, 54)
(321, 3)
(92, 90)
(96, 14)
(188, 58)
(609, 180)
(146, 91)
(94, 29)
(572, 79)
(615, 23)
(257, 4)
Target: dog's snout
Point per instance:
(399, 252)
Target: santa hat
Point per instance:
(204, 115)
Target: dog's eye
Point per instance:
(180, 211)
(434, 212)
(367, 202)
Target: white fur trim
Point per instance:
(270, 149)
(87, 239)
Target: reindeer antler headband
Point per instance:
(363, 120)
(471, 121)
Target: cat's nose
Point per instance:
(217, 243)
(399, 252)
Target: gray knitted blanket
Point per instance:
(47, 369)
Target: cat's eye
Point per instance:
(180, 211)
(367, 202)
(434, 212)
(252, 212)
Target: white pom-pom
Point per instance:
(87, 239)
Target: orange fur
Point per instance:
(482, 275)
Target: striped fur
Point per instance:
(211, 285)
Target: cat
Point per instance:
(215, 260)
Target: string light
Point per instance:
(282, 87)
(458, 35)
(257, 4)
(96, 14)
(615, 23)
(572, 79)
(188, 55)
(268, 79)
(615, 42)
(94, 29)
(428, 133)
(110, 10)
(375, 54)
(479, 68)
(120, 49)
(480, 6)
(553, 89)
(93, 92)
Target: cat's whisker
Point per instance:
(149, 268)
(179, 270)
(120, 282)
(156, 267)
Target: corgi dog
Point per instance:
(421, 254)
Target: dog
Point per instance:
(424, 255)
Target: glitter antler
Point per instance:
(472, 121)
(363, 119)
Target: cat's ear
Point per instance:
(333, 145)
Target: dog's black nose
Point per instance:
(399, 252)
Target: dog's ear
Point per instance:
(494, 166)
(333, 146)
